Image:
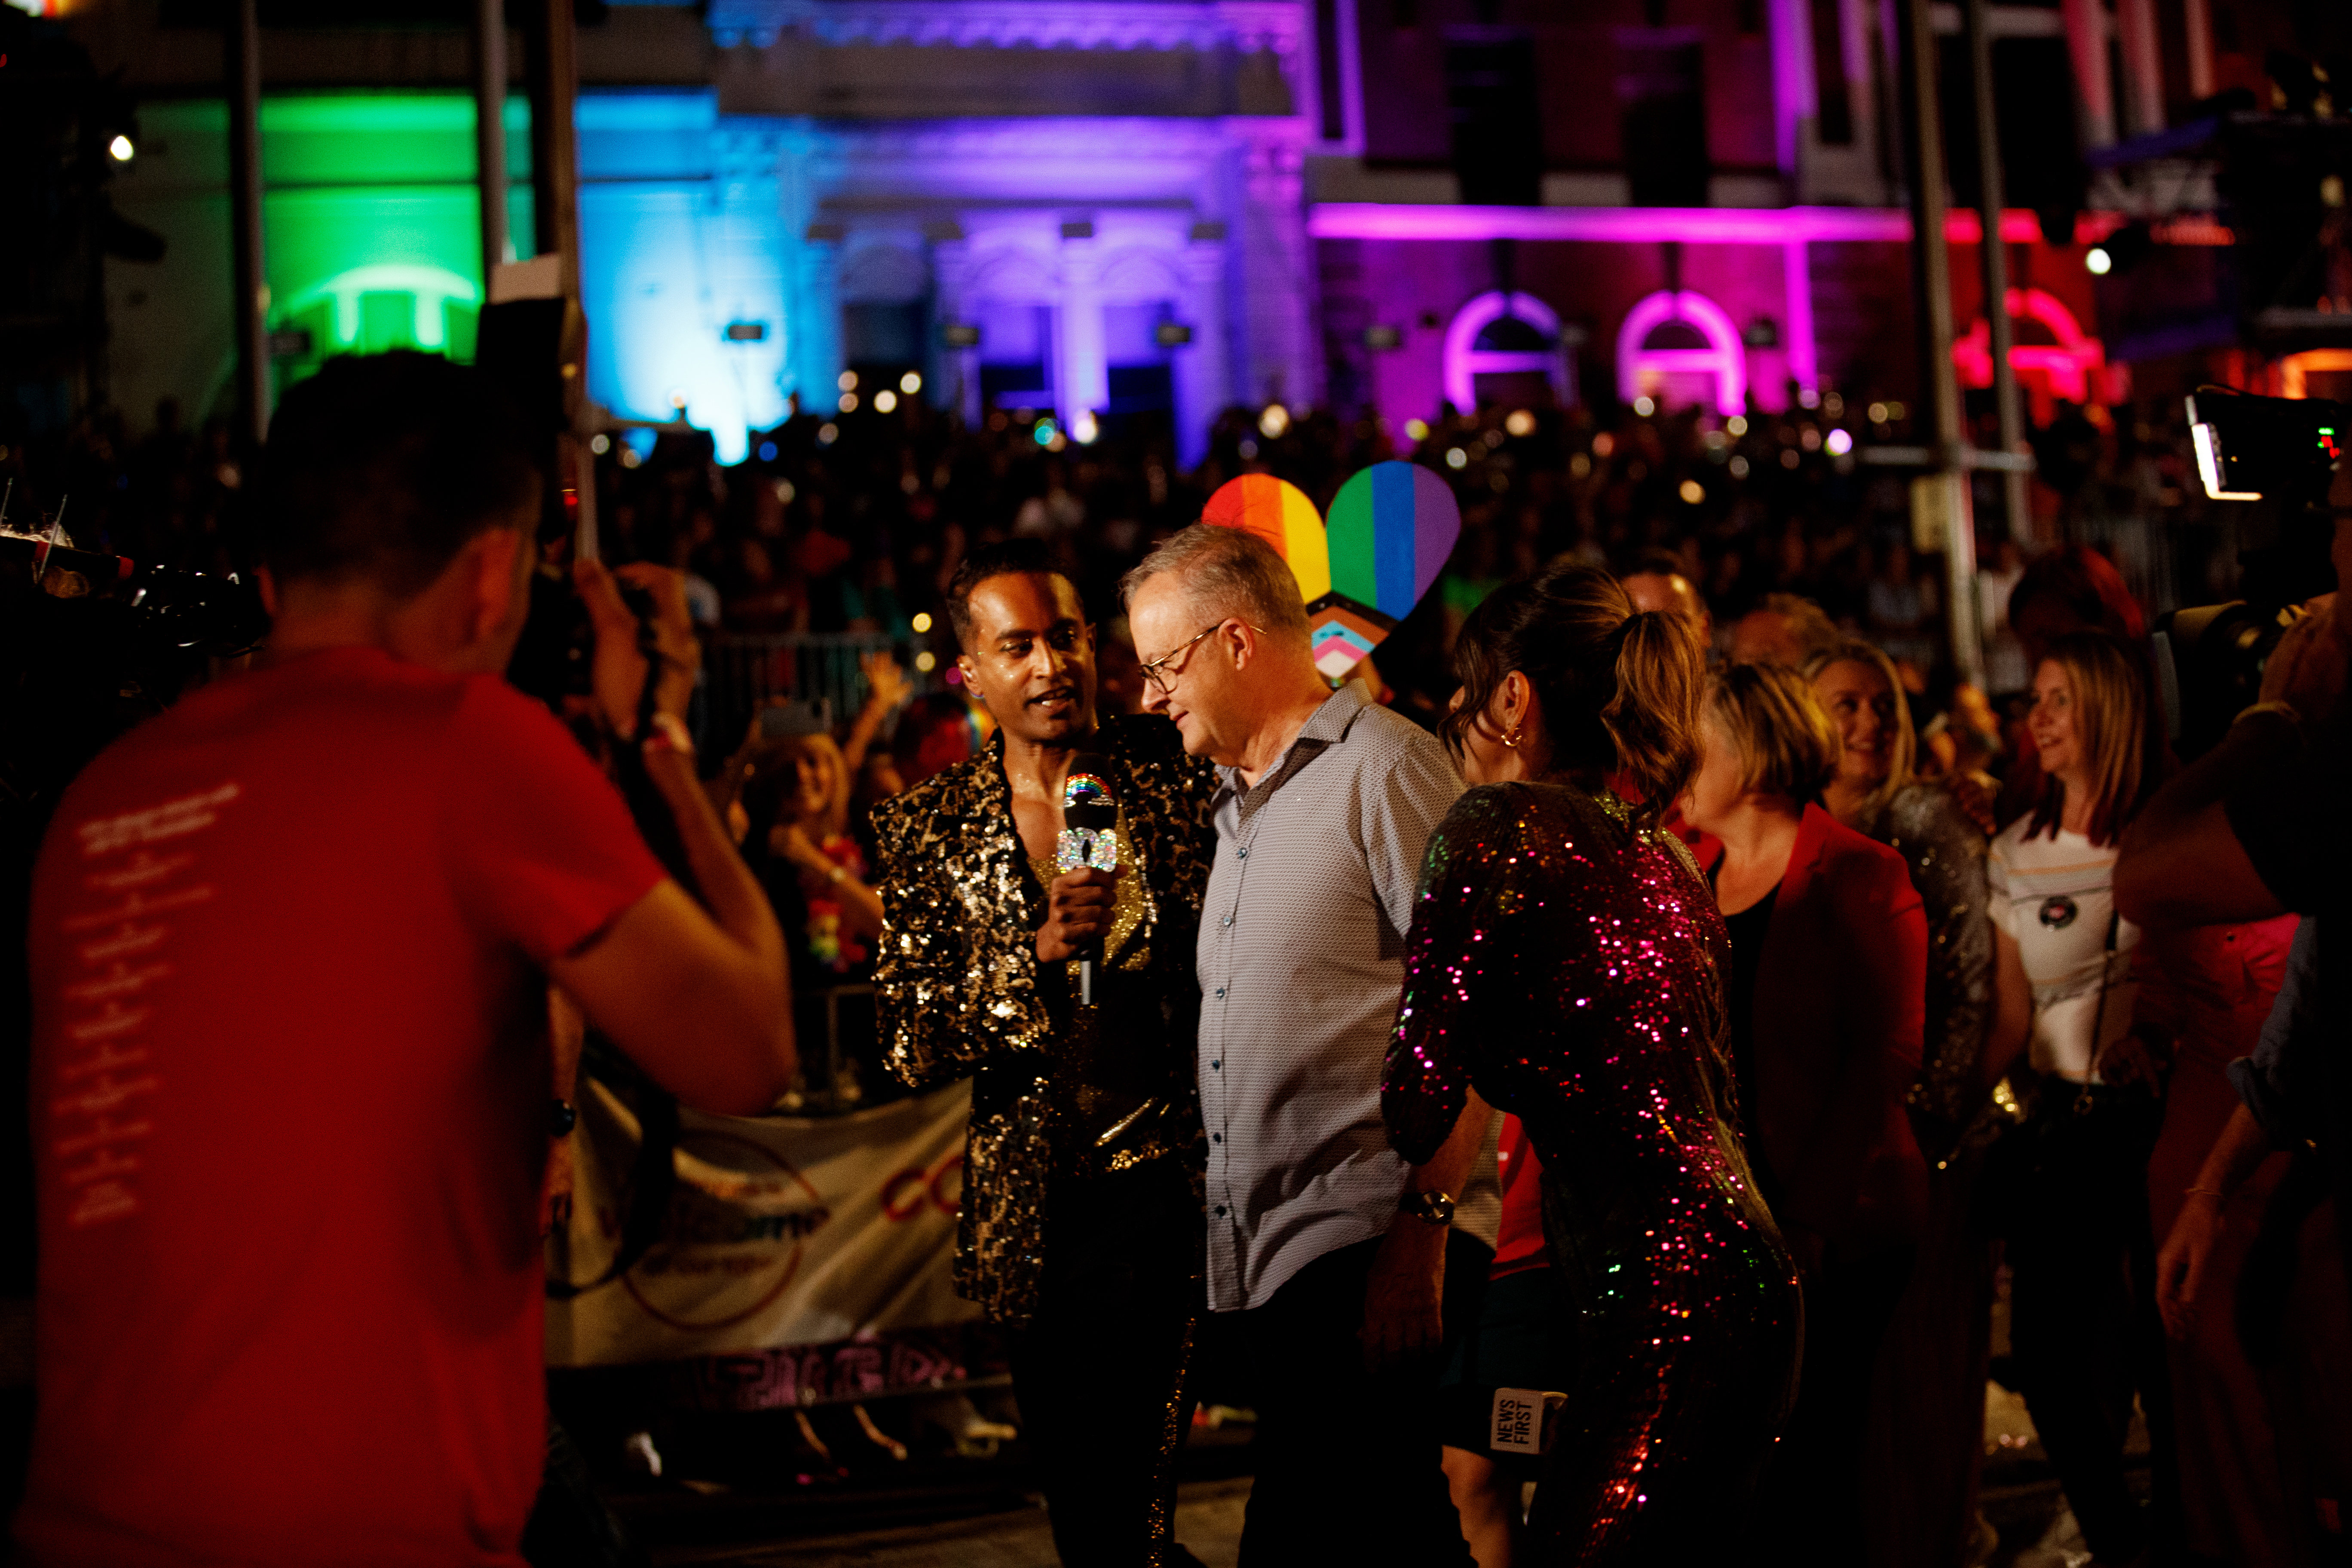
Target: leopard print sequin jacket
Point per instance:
(957, 983)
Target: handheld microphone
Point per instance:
(1089, 813)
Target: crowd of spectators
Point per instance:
(853, 520)
(1797, 555)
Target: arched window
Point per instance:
(367, 309)
(2052, 354)
(1681, 347)
(1011, 297)
(885, 291)
(1517, 337)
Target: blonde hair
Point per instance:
(1854, 651)
(768, 777)
(2108, 684)
(1619, 688)
(1787, 743)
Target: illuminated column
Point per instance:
(811, 270)
(2197, 30)
(1797, 271)
(1862, 75)
(1202, 384)
(955, 372)
(2143, 67)
(745, 247)
(1796, 96)
(1083, 384)
(812, 344)
(2086, 45)
(1280, 357)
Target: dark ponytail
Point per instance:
(1619, 691)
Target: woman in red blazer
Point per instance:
(1827, 998)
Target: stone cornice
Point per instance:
(1249, 26)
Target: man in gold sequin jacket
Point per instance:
(1080, 1222)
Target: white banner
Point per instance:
(785, 1233)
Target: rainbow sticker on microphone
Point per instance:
(1391, 528)
(1278, 512)
(1090, 841)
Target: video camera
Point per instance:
(2209, 659)
(2251, 448)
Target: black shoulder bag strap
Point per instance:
(654, 1175)
(2083, 1102)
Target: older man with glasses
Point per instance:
(1328, 1256)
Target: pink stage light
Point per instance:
(1651, 226)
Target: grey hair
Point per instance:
(1227, 572)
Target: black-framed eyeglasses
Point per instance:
(1153, 673)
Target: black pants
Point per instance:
(570, 1526)
(1099, 1371)
(1348, 1459)
(2082, 1319)
(1810, 1502)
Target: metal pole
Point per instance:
(242, 69)
(1940, 503)
(1993, 255)
(554, 151)
(554, 78)
(491, 132)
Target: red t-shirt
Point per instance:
(291, 1090)
(1520, 1244)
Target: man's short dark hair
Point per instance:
(1010, 558)
(1654, 561)
(381, 466)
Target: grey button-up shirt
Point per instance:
(1301, 962)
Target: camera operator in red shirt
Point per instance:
(289, 949)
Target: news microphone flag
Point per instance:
(1090, 837)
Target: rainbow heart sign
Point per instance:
(1391, 528)
(1278, 512)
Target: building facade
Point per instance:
(1108, 207)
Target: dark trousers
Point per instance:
(1347, 1458)
(570, 1527)
(2083, 1321)
(1099, 1371)
(1810, 1503)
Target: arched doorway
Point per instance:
(1679, 348)
(1507, 348)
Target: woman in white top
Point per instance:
(2084, 1322)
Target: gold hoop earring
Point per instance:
(1511, 736)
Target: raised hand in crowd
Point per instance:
(888, 689)
(887, 686)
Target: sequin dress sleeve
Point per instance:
(1449, 970)
(1945, 854)
(1566, 965)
